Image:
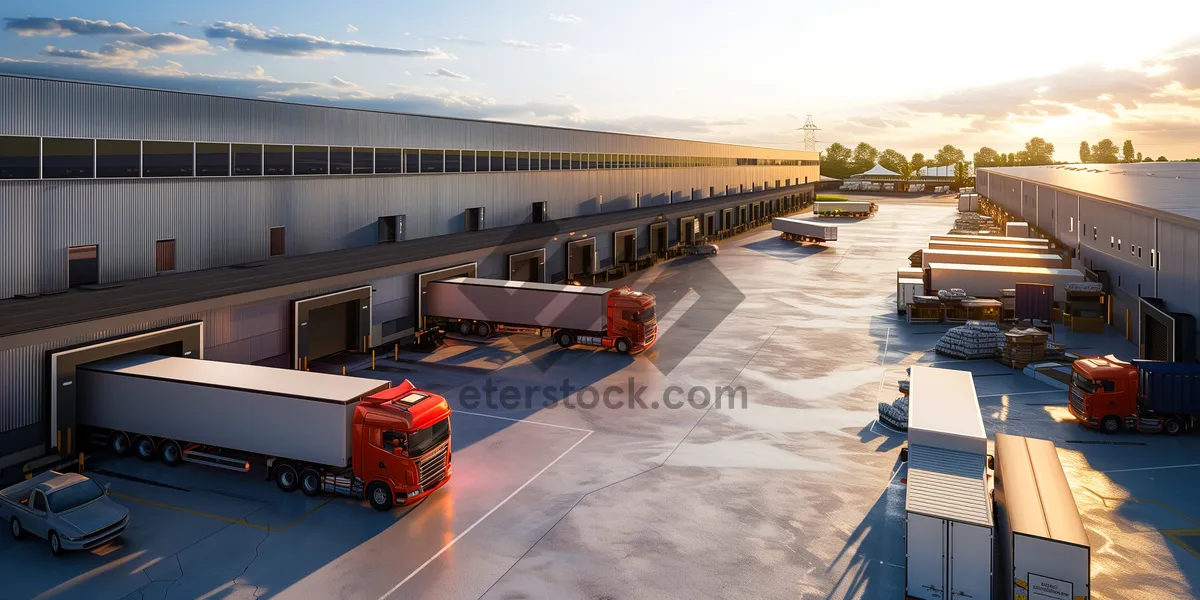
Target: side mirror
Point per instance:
(106, 488)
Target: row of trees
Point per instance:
(840, 162)
(1105, 151)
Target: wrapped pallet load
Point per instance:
(976, 339)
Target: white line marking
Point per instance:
(677, 311)
(475, 414)
(1022, 393)
(489, 513)
(886, 340)
(1152, 468)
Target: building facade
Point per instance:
(113, 199)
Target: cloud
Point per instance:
(184, 23)
(447, 73)
(521, 45)
(558, 47)
(878, 122)
(337, 82)
(167, 43)
(466, 41)
(248, 38)
(351, 29)
(570, 19)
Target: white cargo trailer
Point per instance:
(804, 231)
(987, 247)
(273, 412)
(523, 303)
(986, 281)
(968, 202)
(1043, 551)
(841, 208)
(944, 411)
(993, 239)
(906, 290)
(1016, 229)
(983, 257)
(909, 273)
(949, 534)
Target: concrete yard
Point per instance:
(795, 493)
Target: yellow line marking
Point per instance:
(241, 521)
(1171, 534)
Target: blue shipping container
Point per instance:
(1168, 388)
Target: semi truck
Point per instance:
(619, 318)
(844, 208)
(320, 433)
(1143, 395)
(804, 231)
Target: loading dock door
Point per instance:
(331, 323)
(581, 258)
(527, 266)
(658, 238)
(687, 230)
(624, 246)
(710, 223)
(423, 279)
(726, 219)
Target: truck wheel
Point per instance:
(286, 477)
(565, 339)
(623, 346)
(904, 454)
(1110, 424)
(483, 329)
(310, 482)
(145, 448)
(55, 543)
(172, 454)
(464, 327)
(380, 496)
(1173, 426)
(15, 528)
(119, 442)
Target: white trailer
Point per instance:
(906, 290)
(984, 257)
(944, 411)
(993, 239)
(909, 273)
(986, 281)
(521, 303)
(1043, 551)
(804, 231)
(949, 534)
(968, 202)
(1016, 229)
(843, 208)
(987, 247)
(262, 410)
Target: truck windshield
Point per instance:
(74, 496)
(1083, 383)
(643, 316)
(424, 439)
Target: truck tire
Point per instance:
(1173, 426)
(286, 477)
(146, 450)
(171, 453)
(566, 339)
(623, 346)
(14, 526)
(1110, 424)
(380, 496)
(483, 329)
(120, 444)
(465, 327)
(55, 543)
(310, 482)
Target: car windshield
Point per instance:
(1083, 383)
(74, 496)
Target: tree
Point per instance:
(1161, 159)
(1085, 152)
(1038, 152)
(1139, 157)
(1147, 159)
(1023, 158)
(917, 161)
(894, 161)
(962, 174)
(948, 155)
(986, 157)
(1011, 159)
(836, 161)
(1104, 152)
(1127, 151)
(865, 157)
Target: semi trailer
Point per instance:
(619, 318)
(986, 281)
(1144, 395)
(987, 246)
(992, 239)
(977, 257)
(320, 433)
(804, 231)
(844, 208)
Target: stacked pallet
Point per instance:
(895, 415)
(976, 339)
(1024, 346)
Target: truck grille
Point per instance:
(1076, 401)
(432, 466)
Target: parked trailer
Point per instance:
(909, 273)
(844, 208)
(978, 257)
(804, 231)
(986, 281)
(968, 202)
(337, 434)
(1016, 229)
(992, 239)
(944, 411)
(1044, 550)
(987, 247)
(610, 318)
(906, 291)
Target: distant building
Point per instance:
(878, 178)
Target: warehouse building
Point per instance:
(136, 220)
(1133, 227)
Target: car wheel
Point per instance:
(1110, 424)
(286, 477)
(15, 527)
(55, 544)
(380, 496)
(119, 442)
(565, 339)
(172, 454)
(1173, 426)
(145, 449)
(464, 327)
(623, 346)
(310, 482)
(483, 329)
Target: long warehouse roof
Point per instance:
(1171, 187)
(18, 315)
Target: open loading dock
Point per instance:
(527, 266)
(659, 240)
(330, 323)
(581, 258)
(1164, 335)
(624, 248)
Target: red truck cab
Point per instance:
(401, 445)
(1103, 393)
(631, 317)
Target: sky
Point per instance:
(897, 75)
